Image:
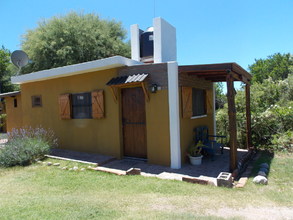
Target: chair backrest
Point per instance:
(201, 134)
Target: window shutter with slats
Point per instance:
(98, 109)
(186, 102)
(65, 106)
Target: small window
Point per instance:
(198, 102)
(82, 105)
(37, 101)
(15, 102)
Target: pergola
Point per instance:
(227, 72)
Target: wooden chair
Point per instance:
(202, 134)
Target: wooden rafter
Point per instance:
(115, 89)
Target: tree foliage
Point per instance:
(71, 39)
(271, 113)
(277, 66)
(220, 96)
(6, 71)
(271, 105)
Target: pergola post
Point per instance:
(232, 122)
(248, 118)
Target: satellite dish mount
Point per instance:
(19, 58)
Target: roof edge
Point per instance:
(9, 94)
(75, 69)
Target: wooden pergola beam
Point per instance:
(232, 122)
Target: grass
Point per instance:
(3, 136)
(47, 192)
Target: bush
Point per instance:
(271, 113)
(26, 145)
(283, 142)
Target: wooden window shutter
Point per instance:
(98, 109)
(65, 106)
(186, 102)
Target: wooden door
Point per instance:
(134, 122)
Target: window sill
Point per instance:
(199, 116)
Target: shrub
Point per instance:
(2, 120)
(271, 113)
(283, 142)
(25, 145)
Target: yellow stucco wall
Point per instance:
(187, 125)
(158, 138)
(88, 135)
(102, 136)
(14, 115)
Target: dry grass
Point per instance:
(42, 192)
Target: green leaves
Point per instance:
(277, 67)
(6, 71)
(271, 113)
(71, 39)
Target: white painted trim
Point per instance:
(174, 122)
(135, 43)
(102, 64)
(165, 48)
(199, 116)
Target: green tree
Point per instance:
(221, 98)
(71, 39)
(277, 66)
(271, 114)
(6, 71)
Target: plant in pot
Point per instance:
(194, 153)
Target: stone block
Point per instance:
(241, 183)
(110, 170)
(225, 179)
(260, 180)
(133, 171)
(195, 180)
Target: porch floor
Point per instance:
(208, 170)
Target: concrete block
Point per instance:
(225, 179)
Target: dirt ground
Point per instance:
(256, 213)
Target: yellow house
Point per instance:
(121, 107)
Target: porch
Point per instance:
(207, 171)
(228, 73)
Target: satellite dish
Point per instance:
(19, 58)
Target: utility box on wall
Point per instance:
(156, 45)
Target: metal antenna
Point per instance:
(154, 8)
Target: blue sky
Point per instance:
(208, 31)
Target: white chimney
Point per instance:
(164, 42)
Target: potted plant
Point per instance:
(194, 153)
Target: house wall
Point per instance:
(14, 115)
(103, 136)
(186, 124)
(158, 138)
(157, 112)
(88, 135)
